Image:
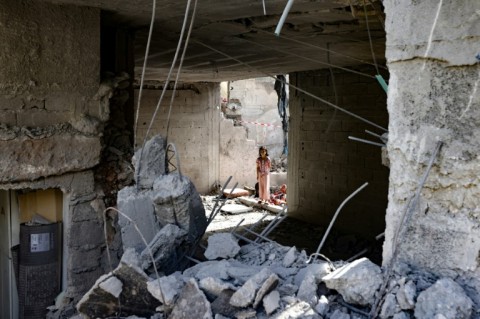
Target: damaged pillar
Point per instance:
(432, 52)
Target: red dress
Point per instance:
(263, 177)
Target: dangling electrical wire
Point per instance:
(147, 49)
(295, 87)
(180, 68)
(164, 88)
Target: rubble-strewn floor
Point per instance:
(294, 232)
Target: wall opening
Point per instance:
(32, 251)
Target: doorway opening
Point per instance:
(32, 254)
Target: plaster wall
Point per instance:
(194, 129)
(433, 96)
(325, 167)
(255, 100)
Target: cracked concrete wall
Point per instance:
(325, 167)
(50, 112)
(434, 96)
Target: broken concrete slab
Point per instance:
(445, 298)
(216, 269)
(137, 218)
(271, 302)
(191, 303)
(166, 288)
(107, 297)
(268, 285)
(215, 286)
(222, 245)
(308, 290)
(350, 281)
(177, 202)
(406, 295)
(165, 249)
(236, 209)
(150, 163)
(237, 192)
(249, 201)
(245, 296)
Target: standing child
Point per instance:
(263, 174)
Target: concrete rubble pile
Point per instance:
(162, 223)
(268, 280)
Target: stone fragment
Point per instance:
(221, 304)
(271, 302)
(165, 248)
(445, 298)
(322, 306)
(289, 257)
(177, 202)
(215, 269)
(357, 282)
(236, 209)
(401, 315)
(298, 309)
(242, 273)
(308, 290)
(166, 288)
(389, 307)
(246, 314)
(191, 303)
(112, 285)
(268, 285)
(318, 270)
(337, 314)
(406, 295)
(98, 302)
(214, 286)
(222, 245)
(152, 163)
(137, 218)
(244, 296)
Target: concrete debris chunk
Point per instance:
(401, 315)
(308, 290)
(165, 247)
(236, 209)
(298, 309)
(152, 162)
(215, 286)
(222, 245)
(289, 257)
(322, 306)
(271, 302)
(357, 282)
(244, 296)
(267, 286)
(98, 302)
(318, 270)
(177, 202)
(406, 295)
(166, 289)
(112, 285)
(389, 307)
(216, 269)
(222, 306)
(246, 314)
(338, 314)
(191, 303)
(445, 298)
(137, 218)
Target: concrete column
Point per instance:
(434, 96)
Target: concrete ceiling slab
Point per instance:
(234, 39)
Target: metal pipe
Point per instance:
(263, 233)
(283, 17)
(365, 141)
(264, 10)
(274, 226)
(235, 228)
(246, 239)
(258, 235)
(335, 217)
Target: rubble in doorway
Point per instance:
(229, 277)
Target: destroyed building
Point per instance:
(380, 92)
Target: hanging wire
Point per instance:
(180, 68)
(308, 59)
(295, 87)
(147, 49)
(164, 88)
(370, 37)
(315, 47)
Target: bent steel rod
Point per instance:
(335, 217)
